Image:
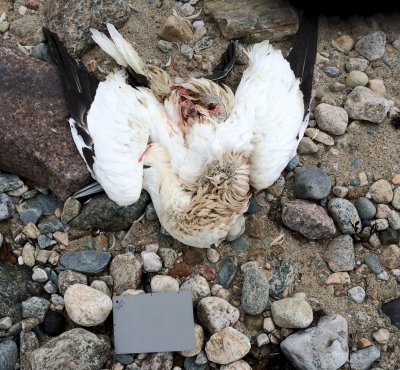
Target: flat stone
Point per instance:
(87, 306)
(309, 219)
(101, 212)
(227, 271)
(327, 345)
(372, 46)
(8, 355)
(216, 314)
(331, 119)
(292, 313)
(160, 360)
(70, 210)
(175, 29)
(15, 286)
(340, 254)
(345, 215)
(364, 358)
(26, 82)
(319, 136)
(72, 20)
(199, 340)
(199, 287)
(373, 263)
(9, 182)
(126, 271)
(7, 208)
(67, 278)
(87, 262)
(35, 307)
(363, 104)
(365, 208)
(76, 346)
(272, 20)
(255, 292)
(312, 183)
(163, 283)
(46, 203)
(392, 309)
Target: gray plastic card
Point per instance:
(155, 322)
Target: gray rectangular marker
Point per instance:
(155, 322)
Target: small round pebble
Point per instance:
(292, 313)
(356, 294)
(332, 71)
(163, 283)
(312, 183)
(382, 335)
(213, 255)
(151, 261)
(39, 275)
(345, 42)
(262, 339)
(381, 191)
(356, 78)
(5, 323)
(365, 208)
(165, 47)
(199, 340)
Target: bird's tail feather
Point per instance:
(92, 188)
(303, 54)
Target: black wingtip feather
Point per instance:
(303, 53)
(226, 63)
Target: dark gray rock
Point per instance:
(124, 359)
(365, 208)
(30, 215)
(16, 286)
(35, 307)
(9, 182)
(72, 20)
(345, 215)
(36, 144)
(87, 262)
(7, 208)
(8, 355)
(270, 19)
(307, 218)
(255, 292)
(282, 279)
(364, 358)
(46, 203)
(53, 323)
(28, 343)
(340, 254)
(389, 236)
(372, 261)
(44, 241)
(332, 71)
(293, 163)
(254, 207)
(392, 309)
(76, 346)
(372, 46)
(327, 345)
(101, 212)
(227, 271)
(240, 244)
(51, 225)
(312, 183)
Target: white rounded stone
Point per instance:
(151, 261)
(199, 340)
(39, 275)
(237, 365)
(163, 283)
(199, 287)
(292, 313)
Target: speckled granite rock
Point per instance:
(72, 19)
(36, 143)
(272, 19)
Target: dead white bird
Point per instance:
(194, 146)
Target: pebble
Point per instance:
(239, 245)
(382, 224)
(77, 344)
(67, 278)
(194, 256)
(30, 215)
(168, 256)
(332, 71)
(204, 43)
(52, 225)
(388, 236)
(373, 263)
(356, 78)
(61, 238)
(181, 269)
(331, 119)
(345, 42)
(392, 309)
(384, 276)
(394, 220)
(6, 207)
(255, 292)
(124, 359)
(339, 278)
(126, 271)
(327, 343)
(319, 136)
(44, 241)
(165, 47)
(365, 105)
(50, 287)
(356, 294)
(175, 29)
(101, 286)
(28, 343)
(199, 32)
(28, 255)
(53, 323)
(187, 52)
(161, 360)
(201, 358)
(372, 46)
(396, 198)
(8, 355)
(362, 359)
(9, 182)
(87, 262)
(282, 279)
(345, 215)
(163, 283)
(70, 210)
(307, 146)
(312, 183)
(197, 24)
(390, 257)
(365, 208)
(5, 323)
(35, 307)
(307, 218)
(199, 287)
(199, 340)
(4, 26)
(292, 313)
(382, 211)
(190, 364)
(237, 365)
(262, 340)
(340, 254)
(254, 207)
(39, 275)
(356, 64)
(151, 261)
(216, 314)
(340, 191)
(396, 179)
(227, 346)
(187, 10)
(227, 271)
(87, 306)
(277, 188)
(41, 52)
(377, 86)
(213, 255)
(381, 336)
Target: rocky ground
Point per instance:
(312, 279)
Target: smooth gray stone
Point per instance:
(89, 262)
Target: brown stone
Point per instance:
(194, 256)
(35, 138)
(208, 272)
(181, 269)
(72, 19)
(255, 227)
(270, 19)
(176, 29)
(390, 257)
